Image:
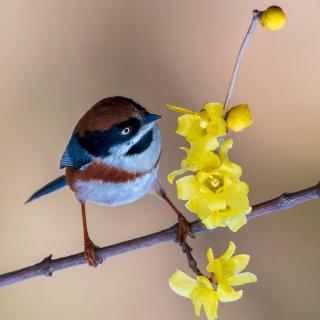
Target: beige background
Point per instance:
(57, 58)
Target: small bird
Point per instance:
(112, 159)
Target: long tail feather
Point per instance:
(52, 186)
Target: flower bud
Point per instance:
(239, 117)
(273, 18)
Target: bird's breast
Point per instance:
(109, 185)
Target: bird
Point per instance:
(112, 159)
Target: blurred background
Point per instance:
(58, 58)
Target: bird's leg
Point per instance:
(184, 225)
(89, 247)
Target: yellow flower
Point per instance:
(215, 192)
(226, 273)
(239, 117)
(201, 130)
(197, 159)
(273, 18)
(204, 127)
(217, 195)
(199, 290)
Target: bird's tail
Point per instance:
(52, 186)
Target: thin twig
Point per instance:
(192, 263)
(244, 45)
(48, 265)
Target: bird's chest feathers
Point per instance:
(110, 185)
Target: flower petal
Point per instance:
(229, 252)
(241, 261)
(204, 281)
(189, 126)
(224, 149)
(242, 278)
(197, 304)
(210, 306)
(236, 195)
(187, 187)
(216, 201)
(210, 255)
(198, 158)
(214, 109)
(182, 284)
(236, 223)
(227, 294)
(207, 142)
(208, 298)
(231, 168)
(213, 221)
(217, 127)
(228, 267)
(171, 176)
(198, 206)
(179, 109)
(209, 161)
(215, 267)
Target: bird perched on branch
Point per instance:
(112, 159)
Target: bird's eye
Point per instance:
(126, 131)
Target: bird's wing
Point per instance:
(75, 156)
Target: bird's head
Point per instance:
(117, 126)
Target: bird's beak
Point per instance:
(151, 118)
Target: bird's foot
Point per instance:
(90, 253)
(184, 230)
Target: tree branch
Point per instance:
(48, 265)
(192, 262)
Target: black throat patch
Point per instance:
(142, 145)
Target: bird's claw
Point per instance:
(184, 230)
(90, 254)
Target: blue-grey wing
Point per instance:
(75, 156)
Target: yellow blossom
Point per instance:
(273, 18)
(204, 127)
(201, 130)
(197, 159)
(199, 290)
(226, 273)
(217, 195)
(215, 192)
(239, 117)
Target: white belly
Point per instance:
(114, 194)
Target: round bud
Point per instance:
(273, 18)
(239, 117)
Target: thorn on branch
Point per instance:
(45, 265)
